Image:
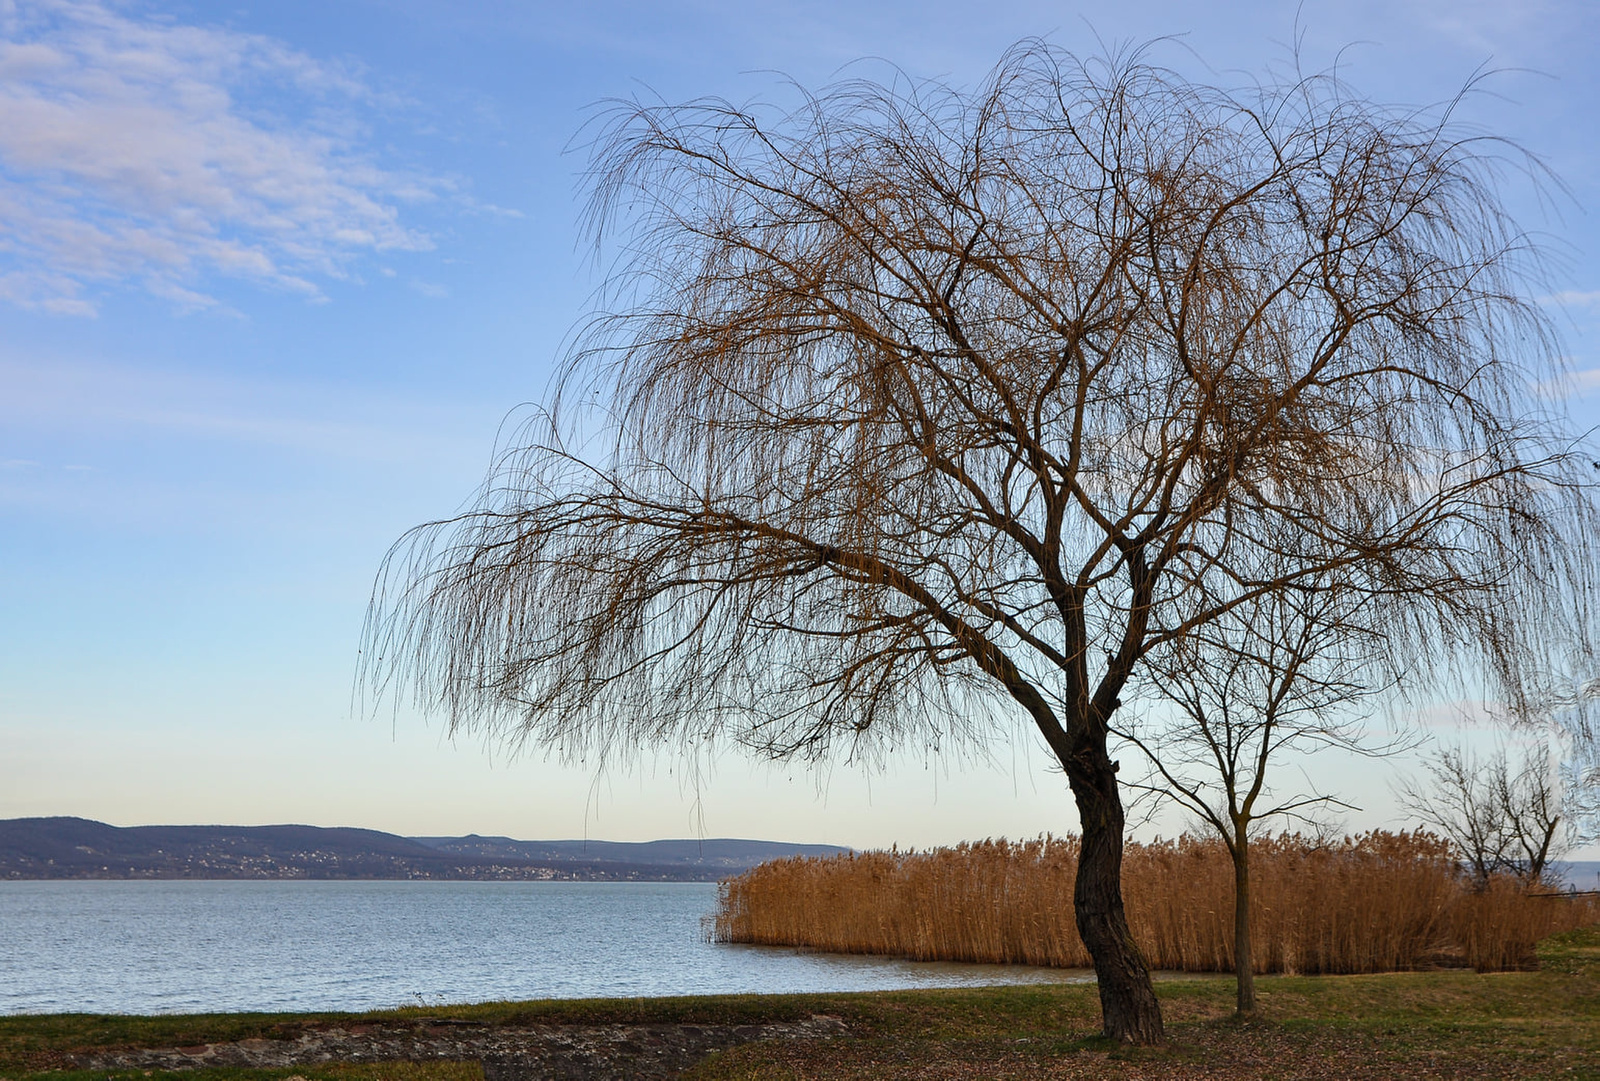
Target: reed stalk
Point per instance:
(1376, 902)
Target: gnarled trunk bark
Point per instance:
(1128, 1006)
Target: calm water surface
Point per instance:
(158, 947)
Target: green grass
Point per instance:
(1429, 1024)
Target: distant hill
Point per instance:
(38, 848)
(724, 855)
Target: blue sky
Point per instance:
(272, 275)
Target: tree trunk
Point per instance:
(1243, 953)
(1128, 1006)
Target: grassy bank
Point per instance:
(1455, 1024)
(1380, 902)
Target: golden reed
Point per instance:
(1378, 902)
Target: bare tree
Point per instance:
(1502, 817)
(1561, 708)
(1578, 733)
(1280, 674)
(921, 409)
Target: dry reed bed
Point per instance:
(1378, 902)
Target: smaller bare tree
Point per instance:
(1564, 705)
(1281, 674)
(1502, 817)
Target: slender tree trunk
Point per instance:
(1536, 865)
(1129, 1009)
(1243, 952)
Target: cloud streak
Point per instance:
(1574, 298)
(1583, 382)
(1575, 383)
(158, 155)
(63, 400)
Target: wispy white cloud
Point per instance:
(1462, 715)
(1488, 26)
(1573, 384)
(1574, 298)
(54, 399)
(1585, 381)
(158, 154)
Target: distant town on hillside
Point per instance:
(61, 848)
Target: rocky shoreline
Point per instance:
(604, 1052)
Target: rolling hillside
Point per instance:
(45, 848)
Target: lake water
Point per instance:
(160, 947)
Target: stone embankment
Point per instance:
(610, 1052)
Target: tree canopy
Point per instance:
(916, 408)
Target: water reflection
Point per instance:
(858, 972)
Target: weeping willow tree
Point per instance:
(916, 411)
